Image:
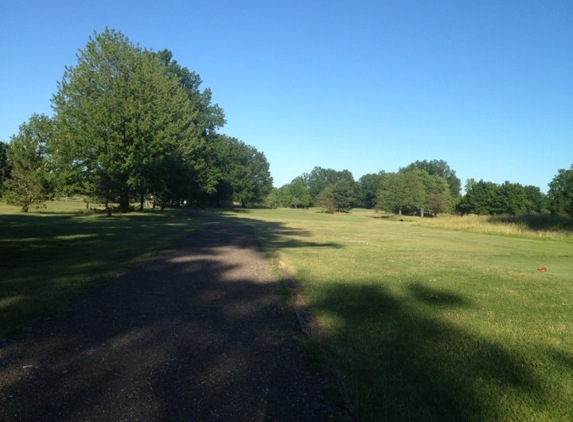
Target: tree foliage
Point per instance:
(244, 174)
(292, 195)
(4, 166)
(442, 169)
(210, 117)
(412, 191)
(488, 198)
(320, 178)
(343, 192)
(368, 187)
(561, 192)
(480, 198)
(426, 187)
(135, 124)
(29, 182)
(536, 200)
(326, 200)
(120, 114)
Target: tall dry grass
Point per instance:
(528, 226)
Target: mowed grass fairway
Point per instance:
(428, 323)
(48, 257)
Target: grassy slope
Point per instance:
(48, 257)
(434, 324)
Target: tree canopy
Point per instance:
(422, 188)
(488, 198)
(412, 190)
(442, 169)
(131, 124)
(120, 114)
(29, 182)
(561, 192)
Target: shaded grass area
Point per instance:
(432, 323)
(48, 257)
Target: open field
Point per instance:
(48, 257)
(426, 319)
(428, 323)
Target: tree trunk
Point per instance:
(124, 202)
(141, 200)
(107, 208)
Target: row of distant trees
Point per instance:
(130, 125)
(422, 188)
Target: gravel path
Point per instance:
(196, 333)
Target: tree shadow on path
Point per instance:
(197, 332)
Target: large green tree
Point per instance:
(480, 198)
(344, 195)
(409, 191)
(296, 194)
(442, 169)
(561, 192)
(119, 112)
(400, 192)
(536, 200)
(326, 200)
(244, 171)
(368, 187)
(437, 195)
(485, 198)
(320, 178)
(511, 199)
(29, 182)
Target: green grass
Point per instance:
(433, 323)
(50, 256)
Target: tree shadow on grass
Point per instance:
(47, 259)
(399, 364)
(436, 297)
(276, 235)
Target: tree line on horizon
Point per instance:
(428, 187)
(130, 125)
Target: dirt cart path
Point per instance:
(196, 333)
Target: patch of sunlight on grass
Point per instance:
(10, 301)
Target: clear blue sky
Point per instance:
(360, 85)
